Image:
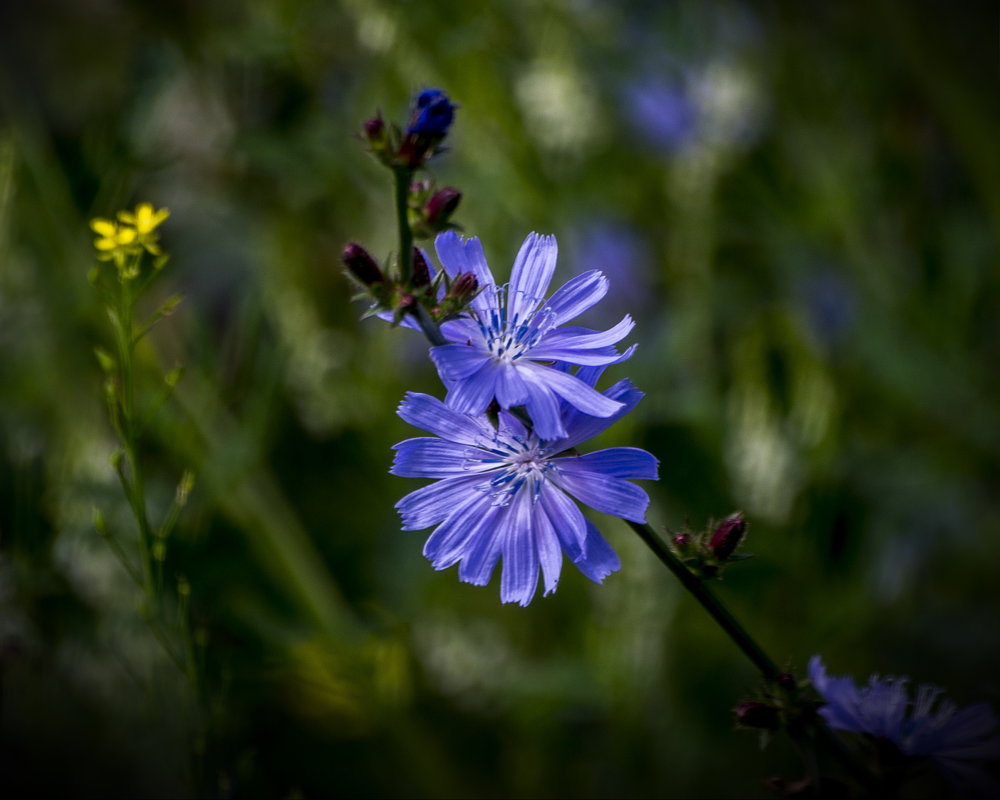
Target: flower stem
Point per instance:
(427, 325)
(709, 601)
(403, 176)
(133, 487)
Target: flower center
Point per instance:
(513, 462)
(509, 336)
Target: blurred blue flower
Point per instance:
(504, 492)
(432, 114)
(663, 112)
(952, 737)
(506, 345)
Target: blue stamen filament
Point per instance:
(508, 339)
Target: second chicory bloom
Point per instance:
(506, 346)
(954, 738)
(504, 492)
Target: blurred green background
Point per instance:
(799, 204)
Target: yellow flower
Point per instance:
(114, 242)
(145, 221)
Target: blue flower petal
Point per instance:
(601, 559)
(565, 344)
(542, 405)
(604, 493)
(576, 296)
(567, 521)
(550, 555)
(484, 549)
(474, 394)
(457, 362)
(430, 414)
(511, 389)
(531, 276)
(590, 375)
(432, 504)
(578, 394)
(450, 541)
(427, 457)
(520, 556)
(462, 331)
(582, 427)
(629, 463)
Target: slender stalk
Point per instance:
(428, 326)
(709, 601)
(134, 488)
(403, 176)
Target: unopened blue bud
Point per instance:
(432, 114)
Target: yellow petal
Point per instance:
(105, 227)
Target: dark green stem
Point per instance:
(709, 601)
(403, 176)
(427, 325)
(134, 488)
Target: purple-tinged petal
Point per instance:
(580, 427)
(463, 330)
(430, 414)
(509, 424)
(531, 276)
(520, 556)
(601, 559)
(511, 390)
(457, 257)
(457, 362)
(425, 457)
(576, 296)
(577, 393)
(604, 493)
(549, 552)
(567, 521)
(841, 695)
(483, 552)
(450, 541)
(432, 504)
(542, 405)
(629, 463)
(590, 375)
(571, 338)
(474, 394)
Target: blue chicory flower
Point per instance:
(432, 114)
(954, 738)
(504, 492)
(506, 346)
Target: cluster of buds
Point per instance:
(440, 296)
(430, 209)
(781, 703)
(431, 114)
(706, 552)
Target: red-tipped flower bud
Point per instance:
(753, 714)
(728, 535)
(374, 127)
(681, 540)
(441, 206)
(786, 681)
(463, 287)
(361, 265)
(421, 272)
